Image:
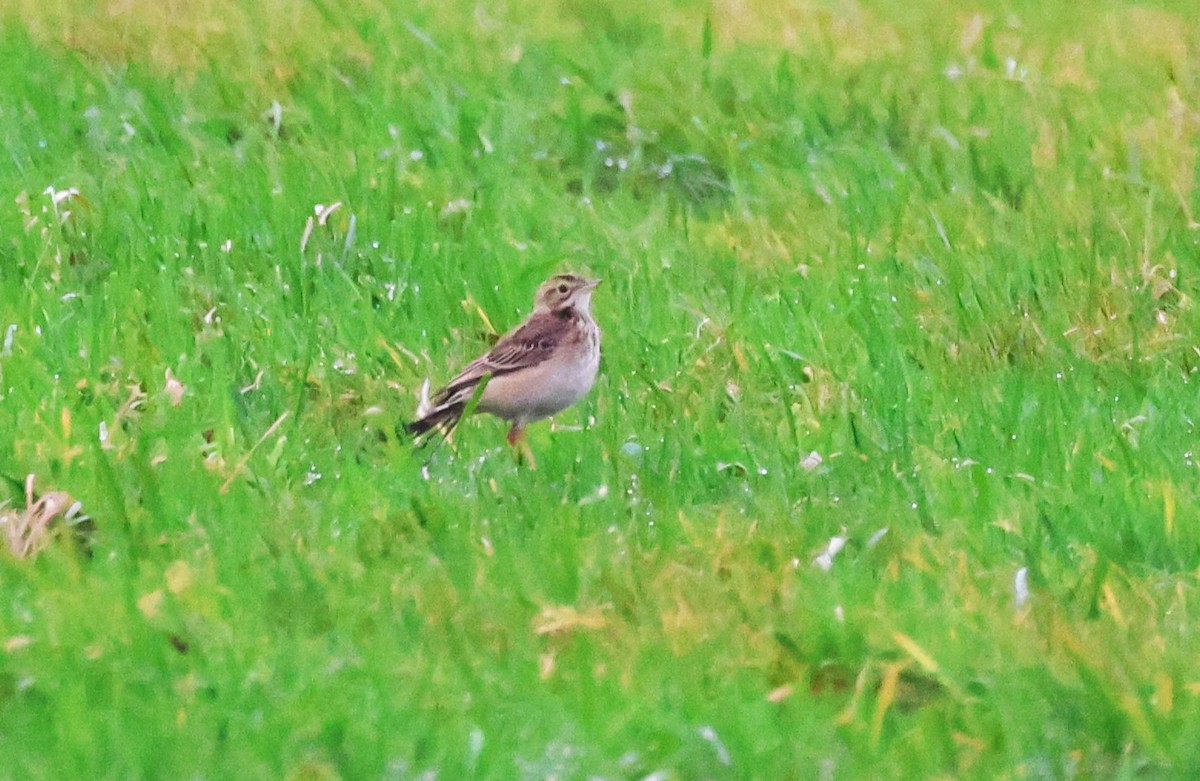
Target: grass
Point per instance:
(912, 275)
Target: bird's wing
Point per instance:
(530, 344)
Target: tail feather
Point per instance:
(442, 419)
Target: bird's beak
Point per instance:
(591, 284)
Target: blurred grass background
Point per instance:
(917, 276)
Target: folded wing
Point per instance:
(527, 346)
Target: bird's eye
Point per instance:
(562, 289)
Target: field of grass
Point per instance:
(890, 471)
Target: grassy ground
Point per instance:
(919, 276)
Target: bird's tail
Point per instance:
(442, 419)
(447, 408)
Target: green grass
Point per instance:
(952, 251)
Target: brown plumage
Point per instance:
(538, 369)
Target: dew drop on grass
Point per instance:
(710, 735)
(1021, 588)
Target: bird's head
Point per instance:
(565, 291)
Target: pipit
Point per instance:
(538, 369)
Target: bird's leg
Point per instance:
(516, 440)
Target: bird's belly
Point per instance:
(538, 392)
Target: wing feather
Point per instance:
(529, 345)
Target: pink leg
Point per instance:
(516, 440)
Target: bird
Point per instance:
(538, 369)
